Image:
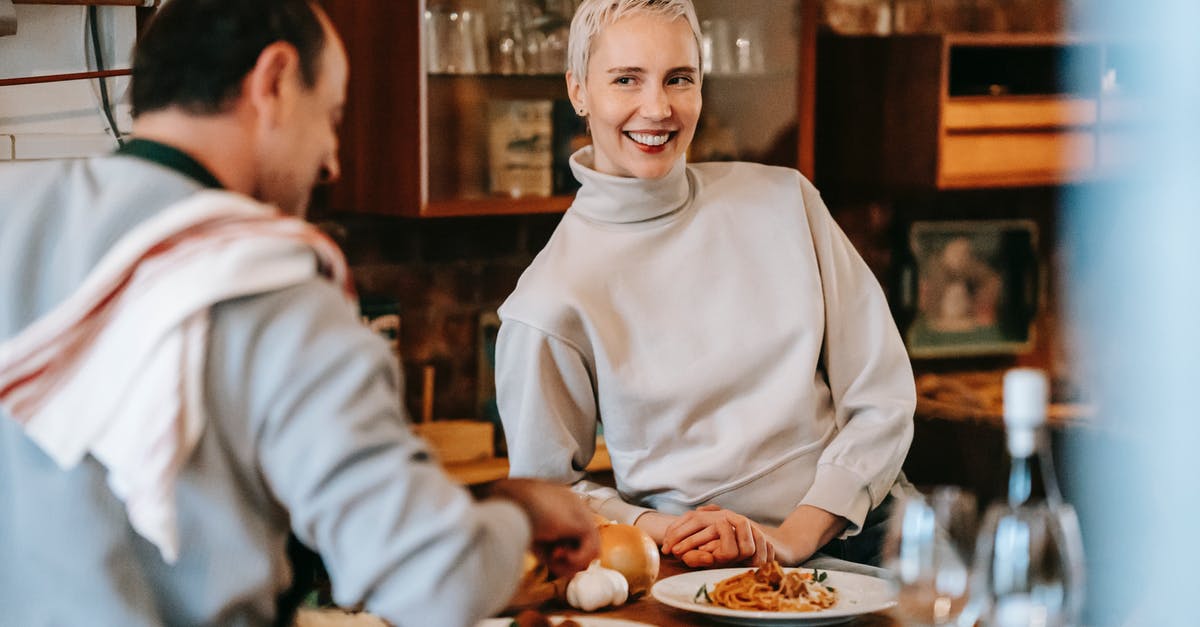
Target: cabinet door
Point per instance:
(458, 107)
(381, 133)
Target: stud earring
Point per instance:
(581, 111)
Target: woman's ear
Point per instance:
(273, 82)
(577, 94)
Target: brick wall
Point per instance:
(442, 274)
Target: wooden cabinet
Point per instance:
(416, 142)
(958, 111)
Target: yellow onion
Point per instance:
(629, 551)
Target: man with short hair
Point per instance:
(183, 379)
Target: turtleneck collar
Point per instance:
(623, 200)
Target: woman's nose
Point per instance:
(656, 105)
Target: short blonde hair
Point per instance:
(593, 15)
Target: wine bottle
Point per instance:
(1029, 563)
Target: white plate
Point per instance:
(857, 594)
(585, 621)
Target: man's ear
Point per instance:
(272, 84)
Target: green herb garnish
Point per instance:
(702, 592)
(819, 576)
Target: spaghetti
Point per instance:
(768, 588)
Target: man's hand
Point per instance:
(564, 536)
(711, 536)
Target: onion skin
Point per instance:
(629, 551)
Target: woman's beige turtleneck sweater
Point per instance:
(725, 332)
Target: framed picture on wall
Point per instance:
(974, 287)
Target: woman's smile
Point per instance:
(650, 141)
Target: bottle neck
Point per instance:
(1020, 477)
(1020, 483)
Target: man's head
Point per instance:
(259, 85)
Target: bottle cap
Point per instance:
(1026, 393)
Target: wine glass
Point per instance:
(927, 551)
(1026, 570)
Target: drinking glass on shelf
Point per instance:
(510, 39)
(927, 551)
(473, 29)
(451, 34)
(435, 32)
(555, 24)
(716, 53)
(1023, 575)
(749, 44)
(535, 45)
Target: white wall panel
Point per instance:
(54, 40)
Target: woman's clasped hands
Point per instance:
(711, 536)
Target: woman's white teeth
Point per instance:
(650, 139)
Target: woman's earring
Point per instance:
(582, 112)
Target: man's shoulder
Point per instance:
(24, 178)
(100, 178)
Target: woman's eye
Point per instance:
(624, 80)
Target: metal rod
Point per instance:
(56, 78)
(116, 3)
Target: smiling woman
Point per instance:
(756, 398)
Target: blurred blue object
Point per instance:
(1133, 263)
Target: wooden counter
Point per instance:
(492, 468)
(644, 609)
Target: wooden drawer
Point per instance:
(969, 110)
(968, 160)
(988, 113)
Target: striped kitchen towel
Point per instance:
(116, 369)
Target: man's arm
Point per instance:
(395, 532)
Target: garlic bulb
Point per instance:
(597, 587)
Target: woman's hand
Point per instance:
(712, 536)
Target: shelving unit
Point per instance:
(414, 143)
(968, 111)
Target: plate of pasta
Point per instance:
(772, 596)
